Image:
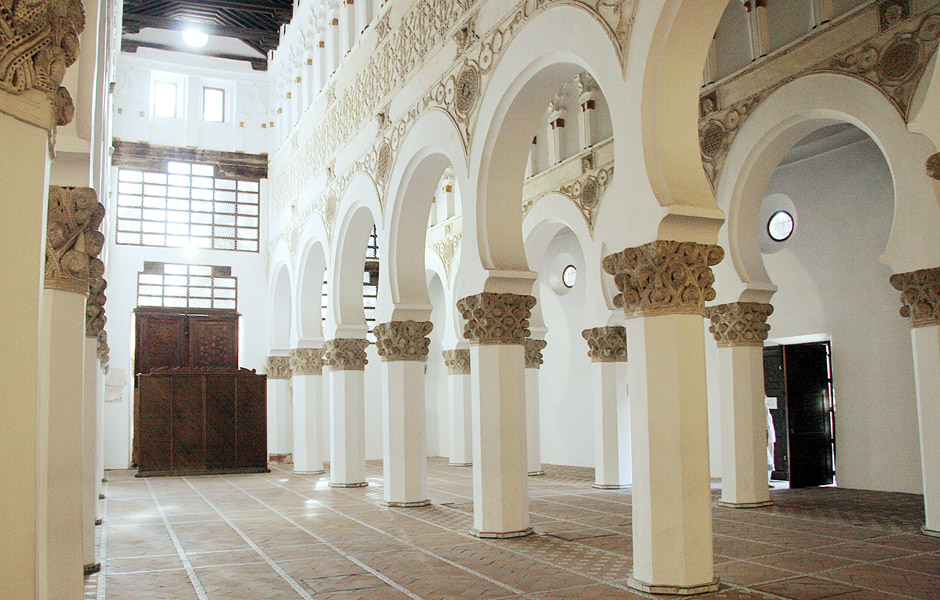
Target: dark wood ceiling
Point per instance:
(255, 22)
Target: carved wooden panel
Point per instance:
(161, 341)
(213, 341)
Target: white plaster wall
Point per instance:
(565, 383)
(831, 284)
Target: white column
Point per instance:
(533, 359)
(103, 359)
(460, 396)
(497, 364)
(588, 93)
(307, 372)
(663, 287)
(24, 176)
(740, 330)
(555, 131)
(346, 358)
(403, 346)
(920, 297)
(613, 467)
(72, 243)
(822, 12)
(280, 430)
(89, 447)
(758, 28)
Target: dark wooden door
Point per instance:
(213, 341)
(809, 414)
(775, 386)
(161, 341)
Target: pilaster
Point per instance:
(403, 347)
(497, 327)
(607, 348)
(740, 329)
(663, 287)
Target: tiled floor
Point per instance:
(277, 535)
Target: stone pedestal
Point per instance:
(403, 346)
(307, 372)
(460, 396)
(663, 286)
(613, 466)
(740, 330)
(920, 298)
(280, 430)
(346, 358)
(533, 360)
(497, 326)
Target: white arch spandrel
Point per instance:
(779, 122)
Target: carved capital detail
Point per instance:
(457, 361)
(403, 340)
(496, 318)
(346, 354)
(278, 367)
(606, 344)
(739, 323)
(664, 277)
(533, 353)
(920, 296)
(95, 318)
(307, 361)
(104, 351)
(72, 239)
(40, 41)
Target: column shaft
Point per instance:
(926, 343)
(613, 467)
(89, 452)
(533, 437)
(405, 450)
(308, 445)
(347, 426)
(279, 420)
(461, 420)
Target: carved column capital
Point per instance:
(739, 323)
(72, 239)
(307, 361)
(95, 318)
(40, 43)
(403, 340)
(920, 296)
(664, 277)
(278, 367)
(496, 318)
(104, 351)
(457, 361)
(533, 353)
(346, 354)
(606, 344)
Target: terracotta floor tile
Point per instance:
(806, 588)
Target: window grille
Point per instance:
(370, 282)
(186, 286)
(187, 206)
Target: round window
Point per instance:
(569, 275)
(780, 226)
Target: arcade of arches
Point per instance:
(519, 249)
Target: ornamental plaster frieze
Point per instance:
(278, 367)
(496, 318)
(403, 340)
(446, 250)
(73, 241)
(307, 361)
(739, 323)
(39, 42)
(664, 277)
(407, 47)
(920, 296)
(583, 179)
(533, 353)
(606, 344)
(346, 354)
(457, 361)
(893, 59)
(95, 318)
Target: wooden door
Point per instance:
(213, 341)
(809, 414)
(775, 386)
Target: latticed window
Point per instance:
(187, 206)
(186, 286)
(370, 281)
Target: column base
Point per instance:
(97, 521)
(349, 485)
(929, 532)
(538, 473)
(406, 504)
(610, 486)
(498, 535)
(320, 472)
(92, 568)
(459, 464)
(678, 590)
(724, 504)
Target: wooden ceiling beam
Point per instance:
(133, 23)
(131, 46)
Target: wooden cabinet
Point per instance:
(201, 421)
